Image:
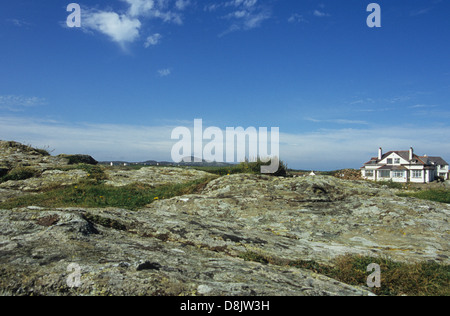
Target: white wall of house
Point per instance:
(393, 160)
(442, 171)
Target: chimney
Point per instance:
(411, 153)
(380, 153)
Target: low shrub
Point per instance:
(77, 159)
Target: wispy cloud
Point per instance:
(421, 11)
(362, 101)
(337, 121)
(242, 14)
(331, 149)
(296, 18)
(152, 40)
(102, 141)
(18, 103)
(320, 14)
(182, 4)
(422, 106)
(157, 9)
(19, 23)
(164, 72)
(324, 149)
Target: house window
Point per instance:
(417, 174)
(397, 161)
(389, 161)
(399, 174)
(369, 173)
(385, 174)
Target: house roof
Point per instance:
(373, 161)
(436, 160)
(402, 153)
(421, 160)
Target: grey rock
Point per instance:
(192, 244)
(36, 262)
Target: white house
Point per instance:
(404, 166)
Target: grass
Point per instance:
(392, 185)
(19, 173)
(243, 167)
(437, 195)
(94, 194)
(412, 279)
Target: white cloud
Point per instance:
(326, 149)
(140, 7)
(182, 4)
(156, 9)
(337, 121)
(333, 149)
(164, 72)
(153, 40)
(244, 14)
(320, 14)
(121, 29)
(102, 141)
(124, 27)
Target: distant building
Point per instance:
(405, 166)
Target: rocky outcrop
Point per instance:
(153, 176)
(50, 171)
(124, 253)
(193, 244)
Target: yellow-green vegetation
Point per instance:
(437, 195)
(19, 173)
(397, 278)
(243, 167)
(94, 193)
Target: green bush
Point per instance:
(77, 159)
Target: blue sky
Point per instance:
(116, 87)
